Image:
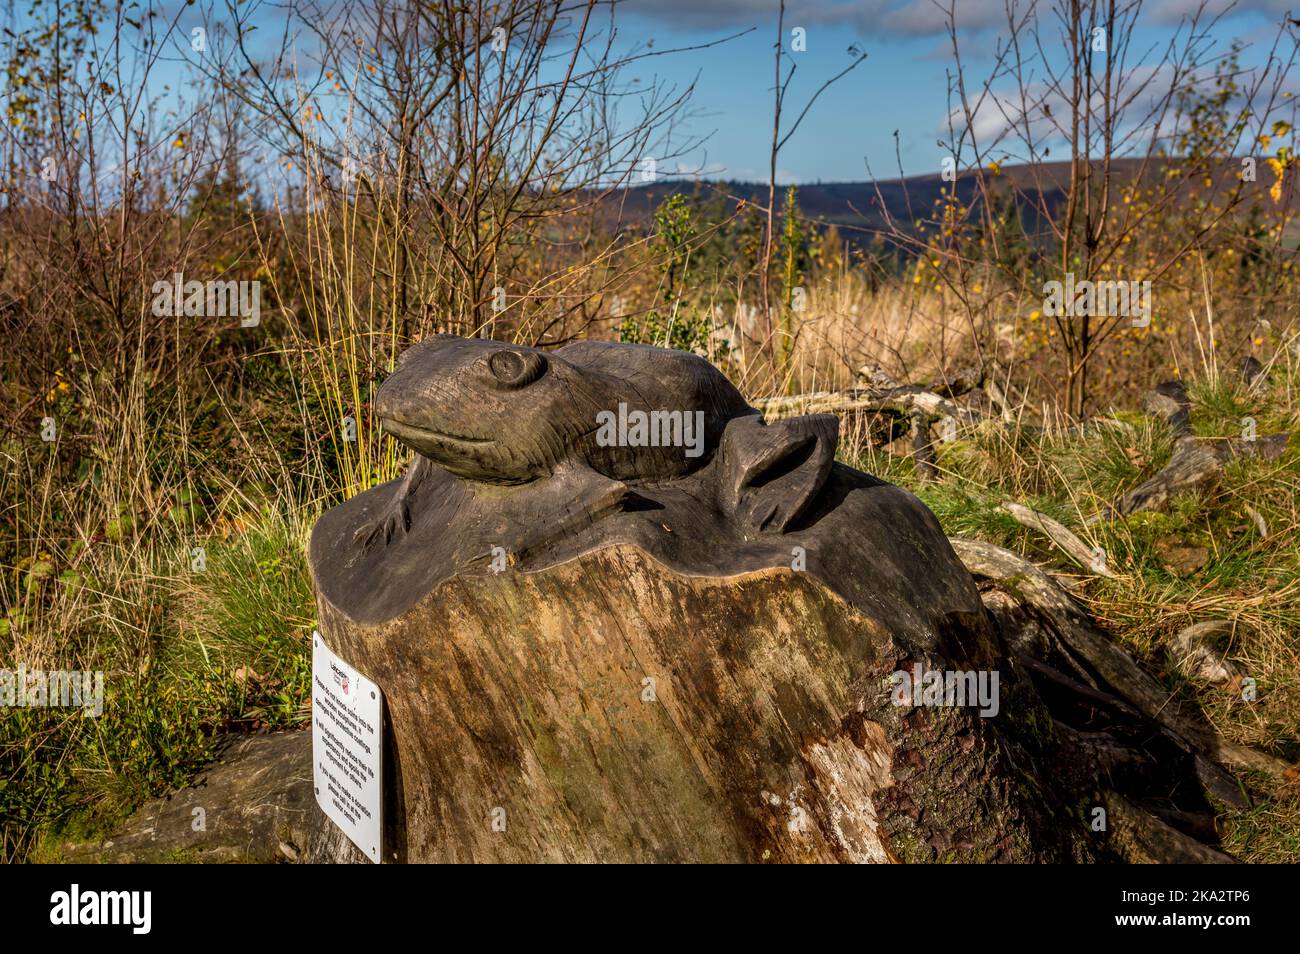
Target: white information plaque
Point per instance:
(346, 726)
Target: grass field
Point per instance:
(190, 654)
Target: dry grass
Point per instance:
(1238, 575)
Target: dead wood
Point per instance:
(1142, 838)
(1060, 535)
(922, 449)
(1195, 462)
(1195, 652)
(1071, 623)
(900, 401)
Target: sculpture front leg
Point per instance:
(395, 519)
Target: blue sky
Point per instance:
(902, 85)
(849, 134)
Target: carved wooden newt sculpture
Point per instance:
(498, 414)
(533, 457)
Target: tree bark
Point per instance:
(609, 709)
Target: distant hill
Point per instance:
(859, 208)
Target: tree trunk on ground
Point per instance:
(254, 805)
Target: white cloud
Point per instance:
(1172, 11)
(871, 17)
(900, 18)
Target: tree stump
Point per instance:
(610, 709)
(618, 616)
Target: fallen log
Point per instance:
(1106, 744)
(900, 401)
(1071, 623)
(254, 805)
(1191, 465)
(904, 409)
(962, 379)
(1143, 838)
(1194, 463)
(1060, 535)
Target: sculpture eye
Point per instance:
(517, 369)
